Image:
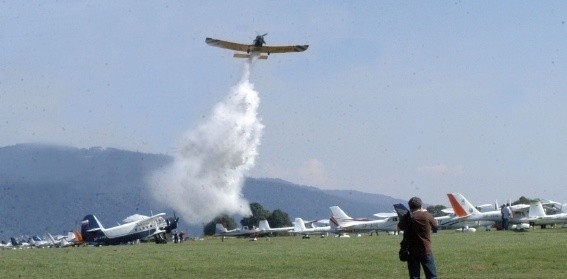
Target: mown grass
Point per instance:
(534, 254)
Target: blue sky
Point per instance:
(396, 98)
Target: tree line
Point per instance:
(277, 219)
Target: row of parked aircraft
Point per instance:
(135, 227)
(340, 224)
(463, 216)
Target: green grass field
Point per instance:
(495, 254)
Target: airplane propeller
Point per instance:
(171, 223)
(259, 41)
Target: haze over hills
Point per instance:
(47, 188)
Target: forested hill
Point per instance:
(50, 188)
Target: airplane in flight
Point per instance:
(256, 49)
(344, 223)
(220, 230)
(93, 232)
(265, 228)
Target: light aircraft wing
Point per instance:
(249, 48)
(149, 220)
(282, 49)
(385, 214)
(228, 45)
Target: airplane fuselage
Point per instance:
(125, 233)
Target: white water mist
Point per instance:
(207, 175)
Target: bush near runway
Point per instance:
(538, 253)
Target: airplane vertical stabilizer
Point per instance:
(299, 225)
(461, 205)
(536, 210)
(264, 225)
(339, 213)
(220, 229)
(335, 223)
(91, 229)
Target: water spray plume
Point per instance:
(207, 175)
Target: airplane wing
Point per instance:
(228, 45)
(150, 219)
(249, 48)
(385, 214)
(282, 49)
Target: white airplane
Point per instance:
(93, 232)
(344, 223)
(300, 228)
(467, 212)
(538, 217)
(220, 230)
(37, 242)
(265, 228)
(71, 239)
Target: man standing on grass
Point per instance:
(417, 225)
(506, 215)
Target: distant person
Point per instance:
(417, 225)
(175, 238)
(506, 215)
(181, 237)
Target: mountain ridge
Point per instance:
(46, 188)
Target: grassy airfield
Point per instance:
(495, 254)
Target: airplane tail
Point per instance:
(461, 205)
(536, 210)
(14, 242)
(299, 225)
(91, 228)
(339, 213)
(242, 55)
(264, 225)
(51, 239)
(334, 223)
(219, 229)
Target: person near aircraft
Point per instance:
(181, 236)
(506, 215)
(417, 225)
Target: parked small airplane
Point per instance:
(19, 244)
(93, 232)
(256, 49)
(300, 228)
(220, 230)
(265, 228)
(538, 217)
(37, 242)
(71, 239)
(344, 223)
(467, 212)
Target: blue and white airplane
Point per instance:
(153, 226)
